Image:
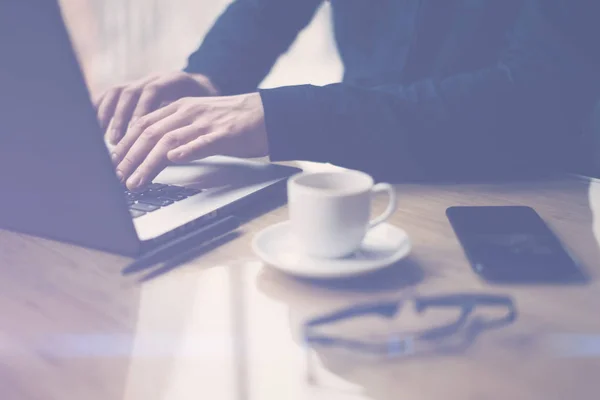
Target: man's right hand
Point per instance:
(122, 105)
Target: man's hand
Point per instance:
(190, 129)
(124, 104)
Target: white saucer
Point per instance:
(383, 245)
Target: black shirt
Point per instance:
(438, 87)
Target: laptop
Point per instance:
(56, 177)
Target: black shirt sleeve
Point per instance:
(244, 43)
(521, 113)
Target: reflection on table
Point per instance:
(226, 326)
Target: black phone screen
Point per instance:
(512, 244)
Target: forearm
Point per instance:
(516, 114)
(242, 46)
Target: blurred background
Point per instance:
(122, 40)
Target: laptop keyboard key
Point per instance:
(147, 195)
(131, 196)
(143, 207)
(174, 196)
(171, 190)
(136, 213)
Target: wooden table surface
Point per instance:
(226, 327)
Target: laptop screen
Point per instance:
(56, 176)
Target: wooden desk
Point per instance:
(226, 327)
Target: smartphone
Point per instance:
(512, 244)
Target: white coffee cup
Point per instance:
(329, 211)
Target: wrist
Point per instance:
(259, 125)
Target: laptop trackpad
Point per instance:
(220, 173)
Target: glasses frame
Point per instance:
(396, 345)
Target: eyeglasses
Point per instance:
(436, 340)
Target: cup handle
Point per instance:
(392, 205)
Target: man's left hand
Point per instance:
(189, 129)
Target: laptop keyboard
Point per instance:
(156, 196)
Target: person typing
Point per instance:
(432, 89)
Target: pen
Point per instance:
(196, 238)
(189, 255)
